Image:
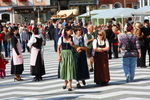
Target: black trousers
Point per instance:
(55, 45)
(110, 51)
(144, 51)
(24, 46)
(140, 61)
(115, 51)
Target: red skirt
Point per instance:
(101, 69)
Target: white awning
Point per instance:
(65, 13)
(144, 11)
(115, 13)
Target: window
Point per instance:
(104, 6)
(117, 5)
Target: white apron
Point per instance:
(16, 59)
(34, 54)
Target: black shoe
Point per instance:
(143, 66)
(70, 89)
(40, 78)
(110, 57)
(36, 79)
(78, 85)
(98, 83)
(104, 83)
(91, 70)
(64, 87)
(83, 82)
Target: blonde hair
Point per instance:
(137, 30)
(103, 33)
(114, 28)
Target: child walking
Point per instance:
(3, 63)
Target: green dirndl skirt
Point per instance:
(67, 69)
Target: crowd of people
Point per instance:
(81, 49)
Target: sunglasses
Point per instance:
(79, 30)
(100, 34)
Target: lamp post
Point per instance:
(38, 11)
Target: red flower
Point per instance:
(6, 0)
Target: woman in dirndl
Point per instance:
(36, 58)
(67, 70)
(17, 58)
(82, 72)
(101, 71)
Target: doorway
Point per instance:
(5, 17)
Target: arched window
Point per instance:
(104, 6)
(117, 5)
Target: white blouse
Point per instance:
(60, 41)
(95, 43)
(76, 40)
(32, 40)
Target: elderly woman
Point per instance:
(101, 46)
(82, 72)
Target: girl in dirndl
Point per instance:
(67, 70)
(82, 72)
(101, 71)
(36, 58)
(17, 58)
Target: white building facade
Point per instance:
(22, 11)
(143, 3)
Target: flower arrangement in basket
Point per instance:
(23, 0)
(6, 0)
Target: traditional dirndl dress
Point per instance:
(36, 59)
(101, 69)
(67, 69)
(82, 72)
(16, 62)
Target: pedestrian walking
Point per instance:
(6, 41)
(110, 38)
(82, 72)
(24, 38)
(3, 63)
(115, 41)
(1, 39)
(138, 33)
(65, 57)
(89, 40)
(130, 50)
(146, 31)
